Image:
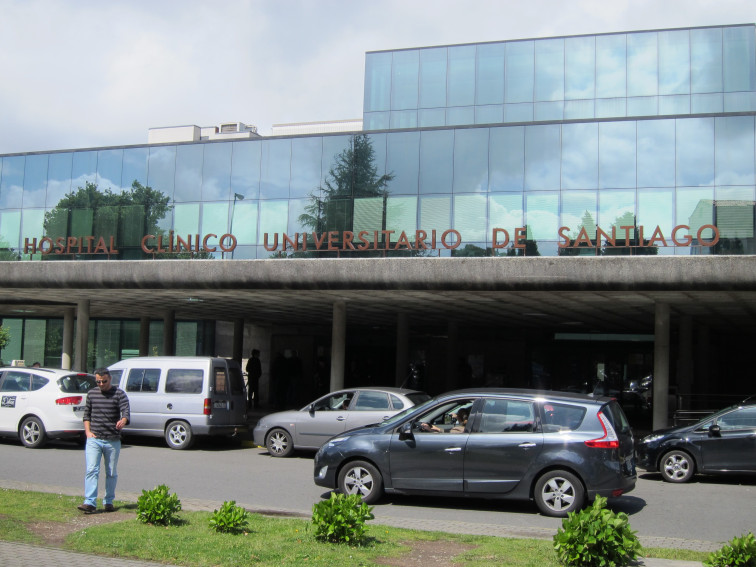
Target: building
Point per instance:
(572, 212)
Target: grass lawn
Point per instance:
(269, 542)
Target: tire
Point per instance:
(677, 466)
(178, 435)
(557, 493)
(279, 443)
(359, 477)
(32, 433)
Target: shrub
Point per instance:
(596, 537)
(740, 552)
(230, 519)
(158, 507)
(341, 518)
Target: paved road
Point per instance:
(699, 515)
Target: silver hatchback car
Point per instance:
(334, 413)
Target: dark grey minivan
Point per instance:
(558, 449)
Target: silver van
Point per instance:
(180, 397)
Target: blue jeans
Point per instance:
(95, 450)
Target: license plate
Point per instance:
(79, 409)
(219, 405)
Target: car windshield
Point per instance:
(709, 419)
(402, 414)
(76, 383)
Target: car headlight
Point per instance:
(651, 438)
(337, 440)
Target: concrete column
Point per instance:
(685, 361)
(452, 347)
(238, 340)
(661, 366)
(144, 336)
(703, 361)
(66, 356)
(82, 335)
(338, 345)
(402, 348)
(169, 336)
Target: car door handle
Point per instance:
(340, 418)
(453, 449)
(526, 445)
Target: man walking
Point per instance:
(254, 371)
(105, 415)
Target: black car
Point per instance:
(555, 448)
(724, 442)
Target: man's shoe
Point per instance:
(87, 508)
(109, 508)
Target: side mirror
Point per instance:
(405, 431)
(715, 430)
(311, 409)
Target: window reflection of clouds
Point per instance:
(490, 76)
(706, 60)
(695, 151)
(377, 81)
(244, 221)
(32, 223)
(84, 168)
(186, 219)
(274, 216)
(579, 156)
(306, 157)
(275, 168)
(435, 212)
(611, 66)
(404, 78)
(542, 157)
(617, 154)
(674, 62)
(505, 210)
(471, 160)
(433, 77)
(656, 153)
(436, 161)
(59, 177)
(134, 166)
(507, 158)
(109, 169)
(12, 183)
(642, 64)
(162, 169)
(734, 150)
(614, 204)
(35, 180)
(245, 169)
(739, 59)
(575, 206)
(519, 70)
(549, 70)
(470, 217)
(215, 218)
(189, 160)
(216, 172)
(401, 215)
(656, 208)
(580, 65)
(698, 200)
(542, 215)
(461, 83)
(10, 228)
(403, 159)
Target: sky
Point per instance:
(93, 73)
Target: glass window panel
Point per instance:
(105, 223)
(10, 229)
(403, 160)
(547, 111)
(579, 156)
(32, 224)
(617, 153)
(706, 103)
(674, 62)
(549, 69)
(674, 104)
(368, 214)
(431, 117)
(35, 180)
(297, 208)
(187, 338)
(401, 215)
(333, 148)
(616, 208)
(522, 112)
(739, 102)
(739, 59)
(131, 225)
(643, 106)
(81, 222)
(611, 66)
(188, 172)
(491, 114)
(436, 161)
(58, 177)
(471, 160)
(706, 60)
(694, 207)
(611, 107)
(379, 143)
(214, 219)
(733, 212)
(244, 222)
(461, 83)
(245, 169)
(34, 340)
(274, 217)
(216, 172)
(542, 157)
(656, 153)
(433, 77)
(404, 79)
(580, 210)
(642, 64)
(162, 169)
(470, 217)
(403, 119)
(306, 157)
(734, 150)
(580, 68)
(109, 167)
(505, 210)
(490, 78)
(656, 208)
(579, 109)
(134, 166)
(377, 81)
(377, 121)
(186, 219)
(734, 194)
(520, 70)
(84, 168)
(275, 167)
(695, 152)
(460, 116)
(507, 158)
(435, 213)
(542, 215)
(12, 183)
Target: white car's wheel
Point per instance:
(178, 435)
(32, 433)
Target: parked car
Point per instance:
(334, 413)
(724, 442)
(37, 404)
(555, 448)
(180, 397)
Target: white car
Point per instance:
(37, 404)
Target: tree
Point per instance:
(5, 337)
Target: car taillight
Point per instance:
(207, 410)
(609, 440)
(69, 401)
